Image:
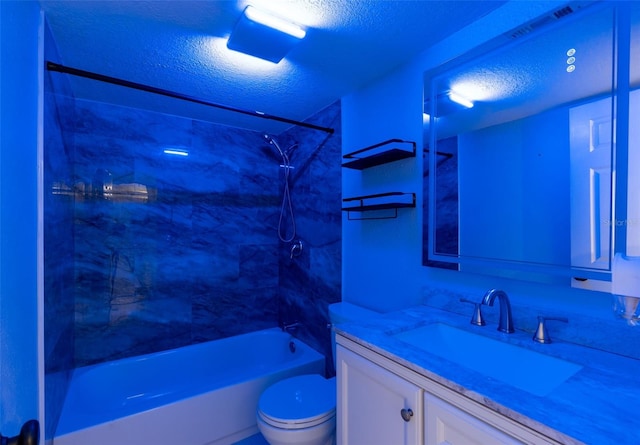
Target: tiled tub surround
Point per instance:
(180, 250)
(183, 248)
(310, 282)
(597, 405)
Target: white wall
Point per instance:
(19, 377)
(381, 258)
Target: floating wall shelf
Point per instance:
(380, 201)
(378, 154)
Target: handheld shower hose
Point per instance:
(287, 207)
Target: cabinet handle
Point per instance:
(406, 414)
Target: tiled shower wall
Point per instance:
(58, 243)
(173, 250)
(311, 281)
(169, 250)
(166, 251)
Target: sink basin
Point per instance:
(531, 371)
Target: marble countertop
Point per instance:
(600, 404)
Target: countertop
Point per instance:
(600, 404)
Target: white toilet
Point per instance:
(301, 410)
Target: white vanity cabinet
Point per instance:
(375, 406)
(445, 424)
(375, 394)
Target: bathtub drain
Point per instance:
(292, 346)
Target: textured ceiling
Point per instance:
(181, 46)
(531, 74)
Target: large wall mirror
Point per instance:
(520, 145)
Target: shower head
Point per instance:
(273, 142)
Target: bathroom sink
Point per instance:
(531, 371)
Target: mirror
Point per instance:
(520, 147)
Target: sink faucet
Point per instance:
(506, 320)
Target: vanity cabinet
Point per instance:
(445, 424)
(375, 406)
(375, 394)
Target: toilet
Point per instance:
(301, 410)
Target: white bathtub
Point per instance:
(200, 394)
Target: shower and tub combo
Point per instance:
(205, 393)
(202, 394)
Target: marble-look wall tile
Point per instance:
(312, 281)
(193, 257)
(170, 251)
(224, 312)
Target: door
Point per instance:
(591, 144)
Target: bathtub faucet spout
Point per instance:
(291, 328)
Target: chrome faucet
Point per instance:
(291, 327)
(506, 320)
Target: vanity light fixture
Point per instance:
(263, 35)
(460, 100)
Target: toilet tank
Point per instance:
(343, 313)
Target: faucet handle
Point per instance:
(542, 335)
(477, 318)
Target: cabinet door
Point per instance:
(370, 404)
(447, 425)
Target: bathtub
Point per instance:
(199, 394)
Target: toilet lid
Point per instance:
(298, 402)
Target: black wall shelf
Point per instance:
(379, 201)
(381, 153)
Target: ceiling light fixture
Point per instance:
(460, 100)
(263, 35)
(176, 151)
(274, 22)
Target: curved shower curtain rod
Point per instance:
(51, 66)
